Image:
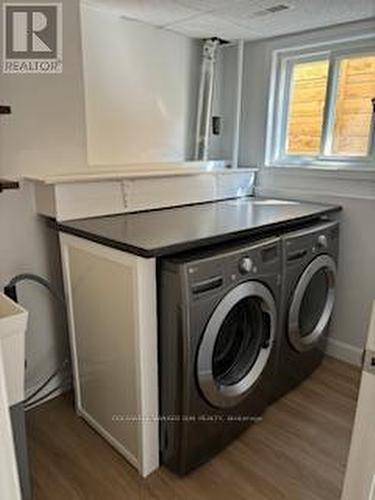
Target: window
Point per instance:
(324, 107)
(352, 127)
(307, 99)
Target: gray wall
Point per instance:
(355, 192)
(225, 100)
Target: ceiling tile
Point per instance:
(239, 18)
(209, 25)
(155, 12)
(243, 10)
(207, 5)
(302, 15)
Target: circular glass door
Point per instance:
(236, 344)
(312, 303)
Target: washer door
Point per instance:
(236, 344)
(312, 304)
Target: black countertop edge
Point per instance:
(7, 184)
(164, 251)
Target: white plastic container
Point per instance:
(13, 323)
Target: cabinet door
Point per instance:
(111, 297)
(360, 473)
(9, 482)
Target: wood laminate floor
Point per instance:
(298, 452)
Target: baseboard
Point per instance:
(344, 352)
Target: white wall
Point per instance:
(141, 89)
(356, 288)
(45, 133)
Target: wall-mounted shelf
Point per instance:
(133, 189)
(7, 184)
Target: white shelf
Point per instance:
(140, 171)
(137, 188)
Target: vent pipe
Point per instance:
(206, 93)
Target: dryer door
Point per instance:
(312, 303)
(236, 344)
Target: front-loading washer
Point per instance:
(309, 259)
(218, 313)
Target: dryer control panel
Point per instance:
(305, 244)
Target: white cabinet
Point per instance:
(111, 297)
(359, 481)
(13, 323)
(9, 481)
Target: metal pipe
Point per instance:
(237, 121)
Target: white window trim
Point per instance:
(278, 106)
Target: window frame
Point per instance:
(279, 103)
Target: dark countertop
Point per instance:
(7, 184)
(164, 232)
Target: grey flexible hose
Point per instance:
(44, 384)
(30, 405)
(41, 399)
(36, 279)
(43, 282)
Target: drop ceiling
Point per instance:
(239, 19)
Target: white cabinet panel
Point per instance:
(10, 487)
(91, 195)
(112, 317)
(359, 481)
(146, 194)
(90, 199)
(13, 324)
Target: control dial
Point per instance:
(245, 265)
(322, 241)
